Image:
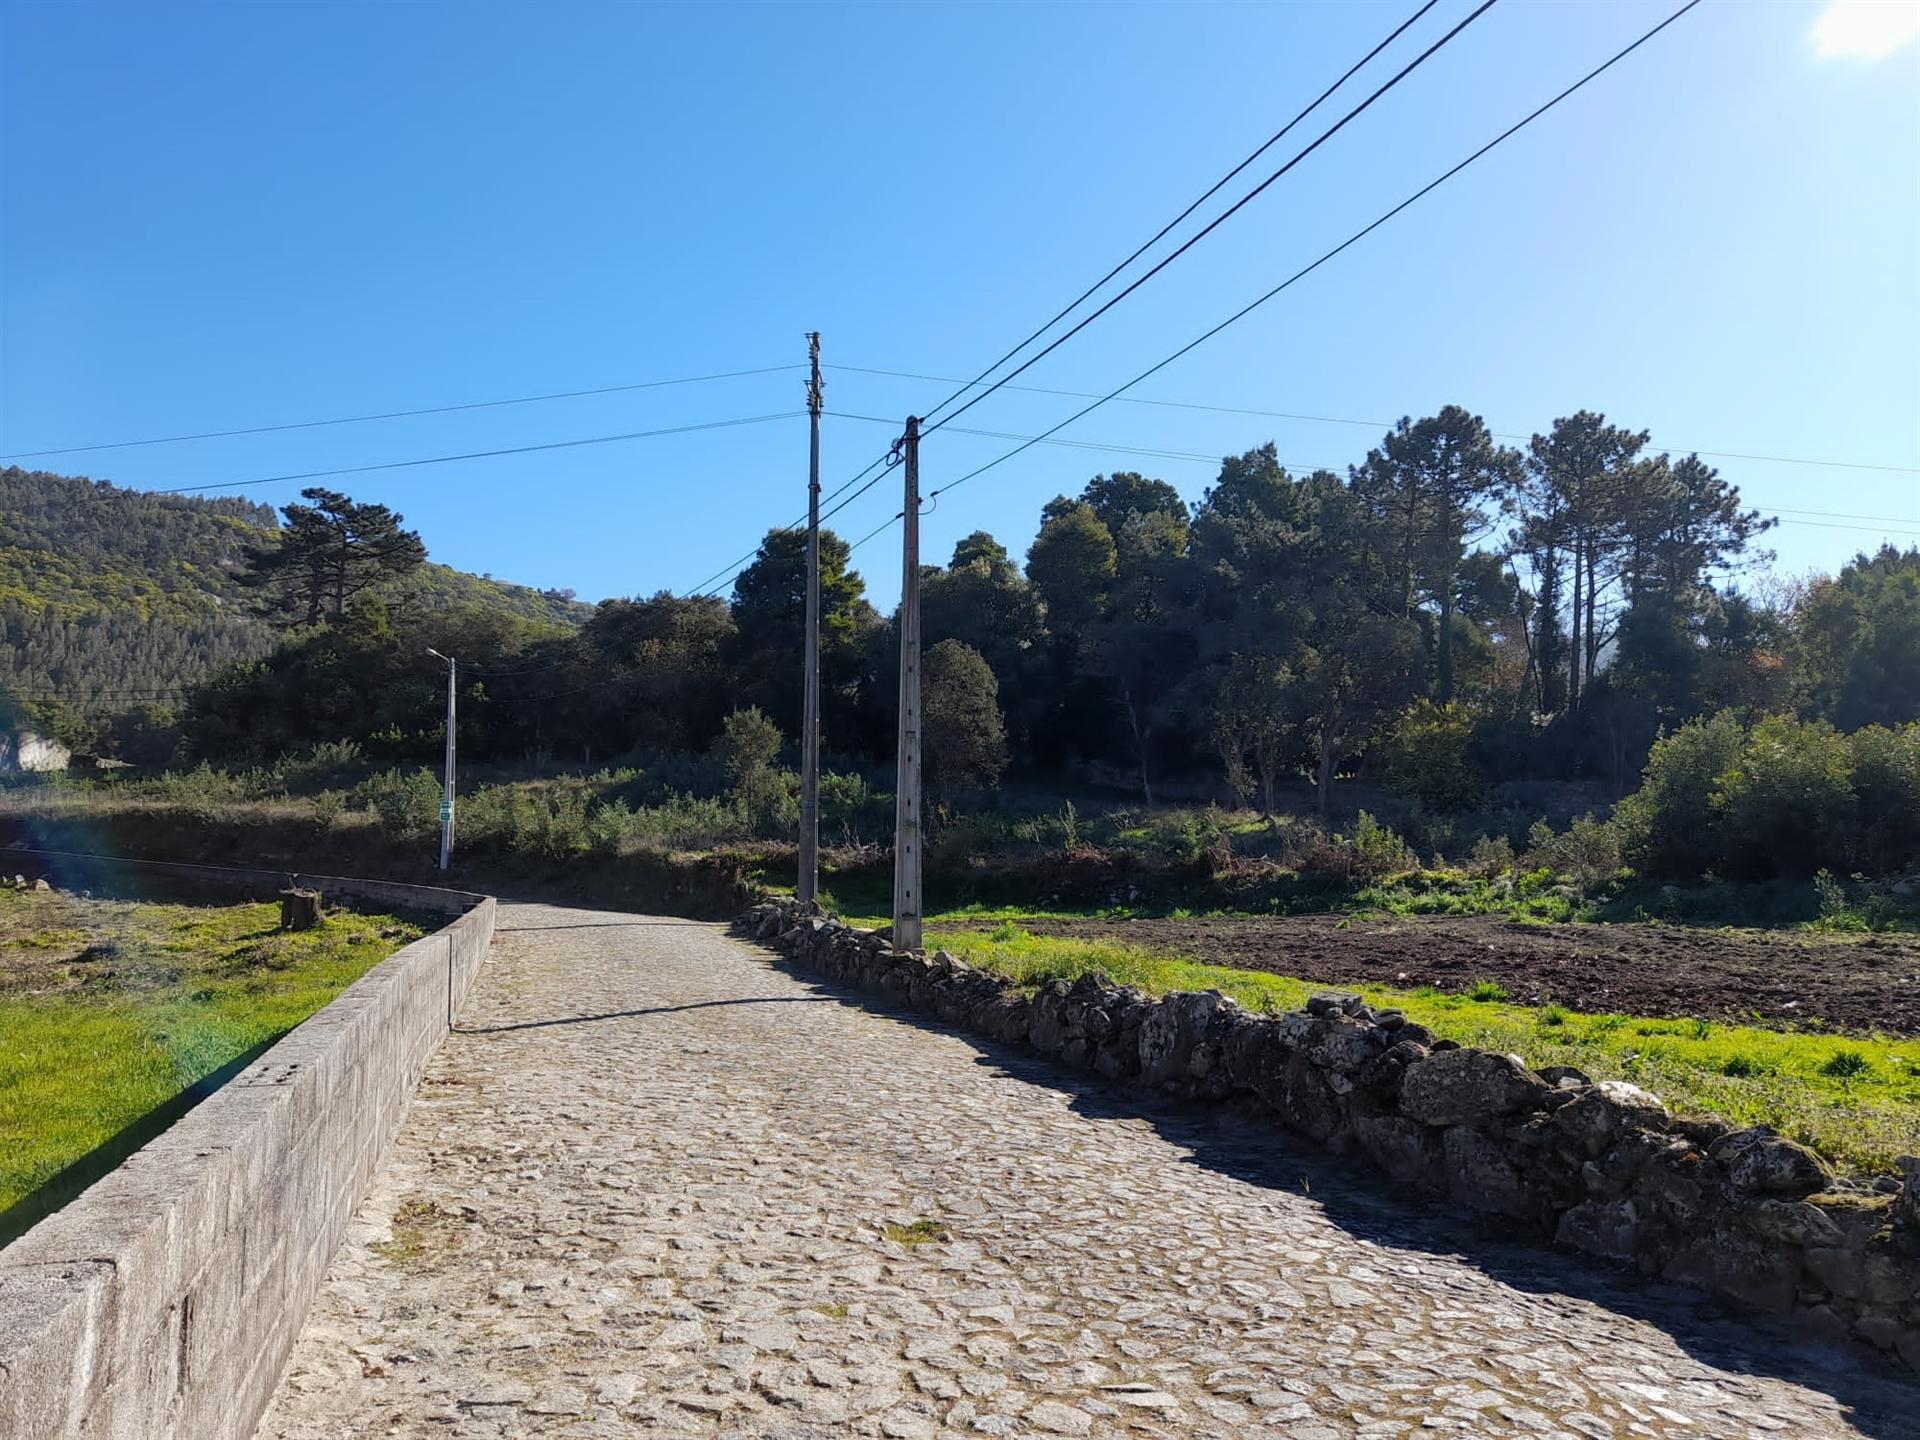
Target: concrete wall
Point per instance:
(164, 1301)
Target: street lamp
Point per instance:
(446, 796)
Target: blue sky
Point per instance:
(215, 216)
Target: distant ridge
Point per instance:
(113, 598)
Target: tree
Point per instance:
(659, 677)
(1142, 645)
(1435, 485)
(1581, 485)
(984, 601)
(966, 741)
(1857, 642)
(1250, 727)
(1118, 497)
(329, 553)
(770, 615)
(1683, 523)
(1354, 655)
(1072, 564)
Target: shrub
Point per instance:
(1886, 792)
(1426, 756)
(1492, 857)
(405, 802)
(327, 763)
(1786, 804)
(853, 810)
(1787, 799)
(1378, 849)
(747, 745)
(1586, 855)
(1671, 826)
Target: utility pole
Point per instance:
(809, 883)
(906, 814)
(446, 791)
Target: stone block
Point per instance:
(1609, 1229)
(1464, 1087)
(1760, 1162)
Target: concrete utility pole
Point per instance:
(446, 791)
(906, 814)
(809, 883)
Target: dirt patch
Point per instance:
(1872, 984)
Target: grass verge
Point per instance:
(1856, 1101)
(109, 1011)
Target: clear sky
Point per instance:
(215, 216)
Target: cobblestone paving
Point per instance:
(645, 1191)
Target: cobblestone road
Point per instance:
(645, 1191)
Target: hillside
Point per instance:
(111, 598)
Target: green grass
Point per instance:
(1856, 1101)
(168, 995)
(914, 1233)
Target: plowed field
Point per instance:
(1870, 984)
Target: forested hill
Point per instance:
(111, 598)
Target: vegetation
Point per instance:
(1446, 619)
(110, 1010)
(115, 603)
(1856, 1101)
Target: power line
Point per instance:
(1149, 451)
(1228, 213)
(731, 571)
(1381, 425)
(1351, 240)
(487, 454)
(401, 414)
(1213, 190)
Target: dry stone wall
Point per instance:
(1604, 1168)
(163, 1302)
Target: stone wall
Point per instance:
(163, 1301)
(1603, 1168)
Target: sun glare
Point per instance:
(1865, 29)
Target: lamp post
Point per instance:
(446, 794)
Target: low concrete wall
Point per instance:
(165, 1300)
(1602, 1168)
(77, 870)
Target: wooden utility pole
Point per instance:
(808, 885)
(906, 814)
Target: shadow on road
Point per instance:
(1242, 1143)
(606, 925)
(636, 1014)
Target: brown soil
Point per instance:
(1653, 970)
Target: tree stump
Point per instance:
(299, 909)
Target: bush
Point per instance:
(1787, 799)
(1886, 795)
(1378, 849)
(1787, 803)
(1671, 826)
(405, 802)
(852, 811)
(747, 745)
(328, 763)
(1586, 854)
(1492, 857)
(1426, 756)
